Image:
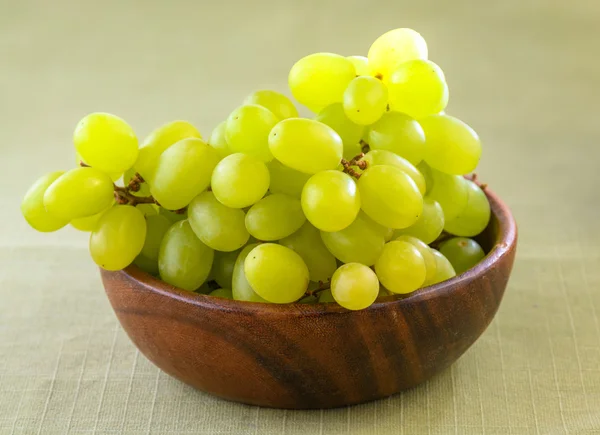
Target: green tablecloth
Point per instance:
(526, 75)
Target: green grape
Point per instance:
(279, 104)
(430, 224)
(218, 226)
(222, 293)
(306, 145)
(450, 191)
(400, 134)
(183, 260)
(444, 269)
(240, 180)
(474, 218)
(276, 273)
(222, 269)
(350, 133)
(390, 197)
(462, 253)
(394, 48)
(171, 215)
(118, 238)
(158, 141)
(79, 192)
(149, 209)
(351, 152)
(320, 79)
(241, 289)
(330, 200)
(354, 286)
(384, 157)
(425, 170)
(361, 242)
(401, 267)
(89, 223)
(425, 251)
(365, 100)
(247, 131)
(218, 140)
(32, 206)
(106, 142)
(286, 180)
(183, 171)
(275, 217)
(113, 175)
(147, 265)
(144, 187)
(418, 88)
(325, 296)
(361, 64)
(451, 146)
(156, 228)
(307, 243)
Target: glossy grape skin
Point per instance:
(418, 88)
(400, 134)
(330, 200)
(218, 141)
(247, 131)
(425, 251)
(350, 133)
(430, 224)
(361, 64)
(286, 180)
(156, 228)
(390, 197)
(474, 218)
(450, 191)
(171, 215)
(425, 170)
(241, 289)
(307, 243)
(274, 217)
(32, 205)
(306, 145)
(222, 268)
(401, 267)
(222, 293)
(444, 269)
(183, 171)
(240, 180)
(354, 286)
(451, 146)
(365, 100)
(276, 273)
(394, 48)
(218, 226)
(184, 261)
(384, 157)
(78, 193)
(320, 79)
(118, 238)
(115, 176)
(463, 253)
(280, 105)
(106, 142)
(89, 223)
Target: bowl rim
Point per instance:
(506, 241)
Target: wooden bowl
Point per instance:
(304, 356)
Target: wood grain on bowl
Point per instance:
(314, 356)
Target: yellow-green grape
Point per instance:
(325, 296)
(240, 180)
(171, 215)
(425, 170)
(450, 191)
(354, 286)
(89, 223)
(222, 269)
(390, 197)
(418, 88)
(78, 193)
(350, 133)
(451, 146)
(275, 217)
(113, 175)
(156, 228)
(118, 238)
(218, 226)
(306, 145)
(384, 157)
(240, 288)
(474, 218)
(307, 243)
(394, 48)
(361, 242)
(400, 134)
(150, 210)
(279, 104)
(158, 141)
(222, 293)
(430, 224)
(365, 100)
(144, 187)
(247, 131)
(183, 260)
(218, 140)
(276, 273)
(330, 200)
(425, 251)
(401, 267)
(463, 253)
(147, 265)
(320, 79)
(32, 206)
(444, 269)
(361, 64)
(183, 171)
(286, 180)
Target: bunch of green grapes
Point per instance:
(344, 207)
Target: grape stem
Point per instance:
(474, 178)
(322, 286)
(355, 161)
(365, 146)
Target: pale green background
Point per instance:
(525, 74)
